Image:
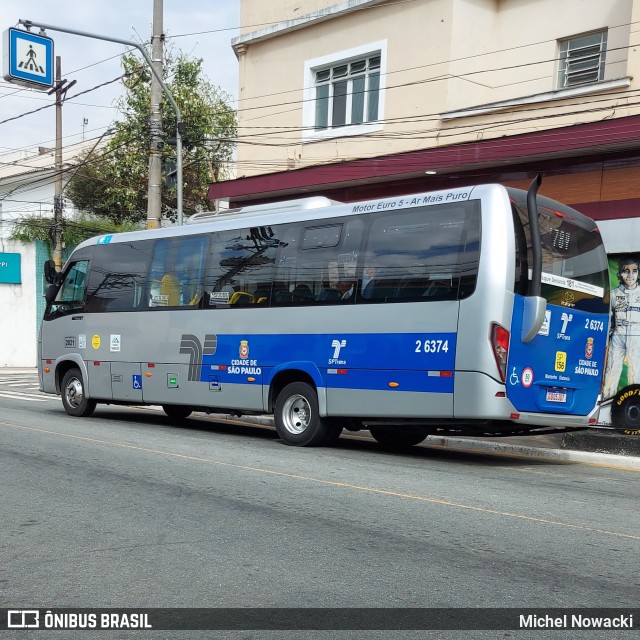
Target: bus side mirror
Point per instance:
(532, 317)
(50, 273)
(50, 293)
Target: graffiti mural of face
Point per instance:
(629, 275)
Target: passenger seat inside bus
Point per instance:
(241, 298)
(170, 287)
(326, 295)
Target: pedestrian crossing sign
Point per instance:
(27, 59)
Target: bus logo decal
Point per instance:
(588, 349)
(337, 345)
(191, 344)
(244, 349)
(566, 319)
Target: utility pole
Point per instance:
(154, 193)
(57, 194)
(60, 90)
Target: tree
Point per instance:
(113, 181)
(33, 228)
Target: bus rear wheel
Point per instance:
(74, 397)
(397, 437)
(298, 420)
(177, 411)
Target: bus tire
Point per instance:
(397, 437)
(625, 410)
(74, 397)
(177, 411)
(297, 418)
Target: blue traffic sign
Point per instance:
(27, 59)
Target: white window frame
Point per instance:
(309, 133)
(581, 60)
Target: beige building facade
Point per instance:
(365, 98)
(449, 72)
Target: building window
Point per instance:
(582, 59)
(348, 93)
(344, 92)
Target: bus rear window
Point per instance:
(574, 269)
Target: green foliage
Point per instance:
(113, 181)
(34, 228)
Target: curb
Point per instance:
(543, 453)
(627, 462)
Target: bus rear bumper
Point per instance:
(483, 397)
(556, 420)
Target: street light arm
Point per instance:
(127, 43)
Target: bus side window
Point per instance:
(521, 285)
(117, 276)
(239, 268)
(317, 263)
(189, 270)
(176, 273)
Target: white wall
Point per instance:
(18, 321)
(621, 236)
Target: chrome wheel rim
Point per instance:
(74, 393)
(296, 414)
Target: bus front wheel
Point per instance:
(298, 420)
(74, 397)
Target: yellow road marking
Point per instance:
(332, 483)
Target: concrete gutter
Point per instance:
(608, 448)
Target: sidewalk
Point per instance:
(592, 447)
(593, 440)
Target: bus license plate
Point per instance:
(556, 396)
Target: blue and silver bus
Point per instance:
(479, 310)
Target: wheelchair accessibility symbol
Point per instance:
(137, 381)
(513, 378)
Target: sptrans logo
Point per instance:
(337, 346)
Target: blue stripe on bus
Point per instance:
(413, 361)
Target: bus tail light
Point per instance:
(500, 345)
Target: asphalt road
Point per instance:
(126, 510)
